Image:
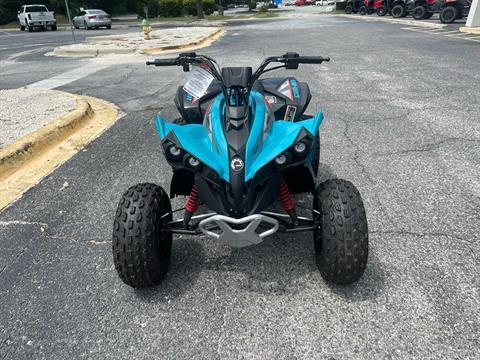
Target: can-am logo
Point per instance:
(236, 164)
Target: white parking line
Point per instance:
(69, 76)
(430, 31)
(447, 32)
(458, 34)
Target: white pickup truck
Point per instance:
(31, 16)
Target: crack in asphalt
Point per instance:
(421, 235)
(429, 147)
(363, 169)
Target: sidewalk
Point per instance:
(133, 43)
(25, 110)
(40, 129)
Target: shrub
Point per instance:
(263, 8)
(153, 8)
(190, 7)
(170, 8)
(340, 5)
(208, 7)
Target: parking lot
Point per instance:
(401, 122)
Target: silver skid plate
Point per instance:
(241, 237)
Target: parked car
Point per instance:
(92, 19)
(324, 2)
(32, 16)
(300, 3)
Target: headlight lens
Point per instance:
(281, 159)
(300, 148)
(174, 152)
(193, 162)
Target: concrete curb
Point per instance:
(471, 30)
(26, 147)
(94, 52)
(203, 41)
(394, 21)
(27, 161)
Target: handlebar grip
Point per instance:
(311, 59)
(164, 62)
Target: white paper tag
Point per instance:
(198, 81)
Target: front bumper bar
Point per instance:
(243, 236)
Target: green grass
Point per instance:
(208, 17)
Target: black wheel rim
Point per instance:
(448, 15)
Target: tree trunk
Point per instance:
(200, 9)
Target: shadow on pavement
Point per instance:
(370, 286)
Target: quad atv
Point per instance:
(454, 9)
(424, 9)
(366, 8)
(353, 6)
(381, 7)
(400, 8)
(243, 145)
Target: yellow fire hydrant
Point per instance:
(146, 29)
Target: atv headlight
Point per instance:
(281, 159)
(300, 148)
(174, 152)
(193, 163)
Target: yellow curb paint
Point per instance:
(475, 30)
(27, 161)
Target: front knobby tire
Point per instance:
(398, 11)
(141, 246)
(341, 238)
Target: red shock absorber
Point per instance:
(191, 205)
(192, 202)
(286, 200)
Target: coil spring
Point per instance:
(286, 199)
(193, 200)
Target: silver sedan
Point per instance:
(92, 18)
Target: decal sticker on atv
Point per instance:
(198, 81)
(290, 113)
(270, 99)
(190, 98)
(286, 89)
(236, 164)
(296, 92)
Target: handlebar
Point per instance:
(312, 59)
(289, 60)
(164, 62)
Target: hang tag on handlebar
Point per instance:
(198, 81)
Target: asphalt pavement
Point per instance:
(401, 123)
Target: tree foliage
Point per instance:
(168, 8)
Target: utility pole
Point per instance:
(70, 21)
(200, 9)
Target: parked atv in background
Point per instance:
(424, 9)
(353, 6)
(454, 9)
(243, 145)
(366, 7)
(401, 8)
(381, 7)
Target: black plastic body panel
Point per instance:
(287, 103)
